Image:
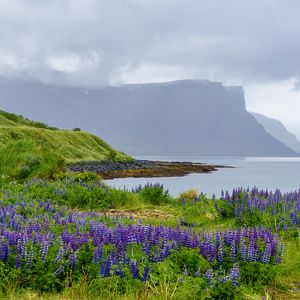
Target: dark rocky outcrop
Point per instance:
(142, 168)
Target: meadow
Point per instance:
(73, 237)
(69, 236)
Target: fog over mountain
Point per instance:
(278, 131)
(187, 117)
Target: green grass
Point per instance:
(30, 148)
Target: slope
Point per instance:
(29, 148)
(278, 131)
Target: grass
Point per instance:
(30, 148)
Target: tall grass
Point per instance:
(29, 148)
(24, 159)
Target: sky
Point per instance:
(91, 43)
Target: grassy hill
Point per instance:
(29, 148)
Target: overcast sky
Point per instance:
(253, 43)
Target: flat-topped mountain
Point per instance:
(188, 117)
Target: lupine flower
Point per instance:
(134, 268)
(44, 250)
(235, 275)
(146, 273)
(243, 251)
(267, 254)
(220, 253)
(280, 254)
(60, 254)
(232, 251)
(209, 276)
(198, 273)
(30, 257)
(59, 270)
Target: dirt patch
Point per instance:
(138, 214)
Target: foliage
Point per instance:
(189, 195)
(155, 194)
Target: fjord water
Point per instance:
(264, 172)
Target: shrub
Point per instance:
(155, 195)
(189, 195)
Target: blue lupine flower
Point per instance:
(209, 276)
(134, 268)
(146, 273)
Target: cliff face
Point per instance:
(278, 131)
(186, 117)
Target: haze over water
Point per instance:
(265, 172)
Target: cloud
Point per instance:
(92, 42)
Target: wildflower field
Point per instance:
(75, 238)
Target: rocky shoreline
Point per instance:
(142, 168)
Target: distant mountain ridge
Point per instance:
(278, 131)
(189, 117)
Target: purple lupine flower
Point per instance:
(60, 254)
(97, 254)
(209, 276)
(267, 254)
(106, 268)
(134, 268)
(235, 275)
(243, 250)
(251, 252)
(30, 257)
(119, 272)
(279, 255)
(59, 270)
(146, 273)
(44, 249)
(73, 261)
(198, 272)
(18, 262)
(4, 251)
(233, 251)
(220, 253)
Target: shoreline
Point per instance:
(143, 168)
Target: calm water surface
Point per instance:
(264, 172)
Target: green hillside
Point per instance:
(29, 148)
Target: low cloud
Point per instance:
(92, 43)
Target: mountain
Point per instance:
(29, 148)
(187, 117)
(278, 131)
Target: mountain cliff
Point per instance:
(187, 117)
(278, 131)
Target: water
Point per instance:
(265, 172)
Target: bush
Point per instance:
(189, 195)
(155, 195)
(77, 176)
